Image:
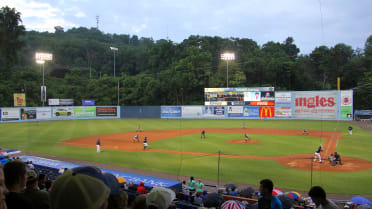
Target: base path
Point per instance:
(124, 142)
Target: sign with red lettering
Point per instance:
(317, 104)
(263, 103)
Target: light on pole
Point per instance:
(227, 57)
(114, 49)
(40, 59)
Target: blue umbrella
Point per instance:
(360, 200)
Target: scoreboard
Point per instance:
(251, 96)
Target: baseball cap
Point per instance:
(160, 197)
(112, 183)
(31, 175)
(74, 191)
(97, 173)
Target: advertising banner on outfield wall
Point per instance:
(251, 112)
(28, 113)
(346, 98)
(1, 113)
(19, 99)
(346, 112)
(283, 112)
(192, 111)
(63, 112)
(88, 102)
(43, 113)
(9, 114)
(106, 111)
(315, 105)
(170, 112)
(85, 112)
(267, 112)
(214, 111)
(283, 99)
(235, 111)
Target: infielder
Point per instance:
(145, 143)
(98, 144)
(138, 128)
(317, 154)
(305, 132)
(136, 138)
(350, 130)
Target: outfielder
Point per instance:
(202, 134)
(98, 144)
(317, 154)
(350, 130)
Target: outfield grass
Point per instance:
(43, 137)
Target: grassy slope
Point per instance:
(42, 137)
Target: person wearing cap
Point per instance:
(15, 180)
(160, 198)
(98, 145)
(77, 190)
(141, 188)
(39, 199)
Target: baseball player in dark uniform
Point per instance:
(350, 130)
(202, 134)
(98, 144)
(317, 154)
(145, 143)
(246, 137)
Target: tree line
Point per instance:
(162, 72)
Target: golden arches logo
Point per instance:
(266, 112)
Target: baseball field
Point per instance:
(276, 149)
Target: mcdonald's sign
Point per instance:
(267, 112)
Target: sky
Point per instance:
(311, 23)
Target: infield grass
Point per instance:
(42, 137)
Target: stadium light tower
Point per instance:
(227, 57)
(40, 59)
(114, 49)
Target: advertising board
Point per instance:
(267, 112)
(283, 112)
(88, 102)
(8, 114)
(346, 98)
(52, 102)
(267, 96)
(85, 112)
(315, 105)
(66, 102)
(252, 96)
(235, 111)
(346, 112)
(19, 99)
(192, 111)
(283, 99)
(214, 111)
(63, 112)
(171, 111)
(28, 113)
(106, 111)
(251, 112)
(43, 113)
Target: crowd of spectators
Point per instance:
(22, 187)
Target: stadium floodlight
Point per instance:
(40, 59)
(114, 49)
(227, 57)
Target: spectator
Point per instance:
(197, 199)
(199, 186)
(192, 184)
(48, 185)
(39, 199)
(213, 200)
(160, 198)
(118, 199)
(319, 197)
(42, 179)
(15, 180)
(185, 191)
(76, 190)
(266, 200)
(140, 202)
(233, 192)
(132, 187)
(3, 189)
(141, 189)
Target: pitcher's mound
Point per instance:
(242, 141)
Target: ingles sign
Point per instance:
(311, 105)
(267, 112)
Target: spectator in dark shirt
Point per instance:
(15, 180)
(3, 189)
(39, 199)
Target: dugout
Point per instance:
(363, 115)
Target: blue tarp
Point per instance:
(149, 181)
(363, 112)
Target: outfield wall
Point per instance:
(300, 105)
